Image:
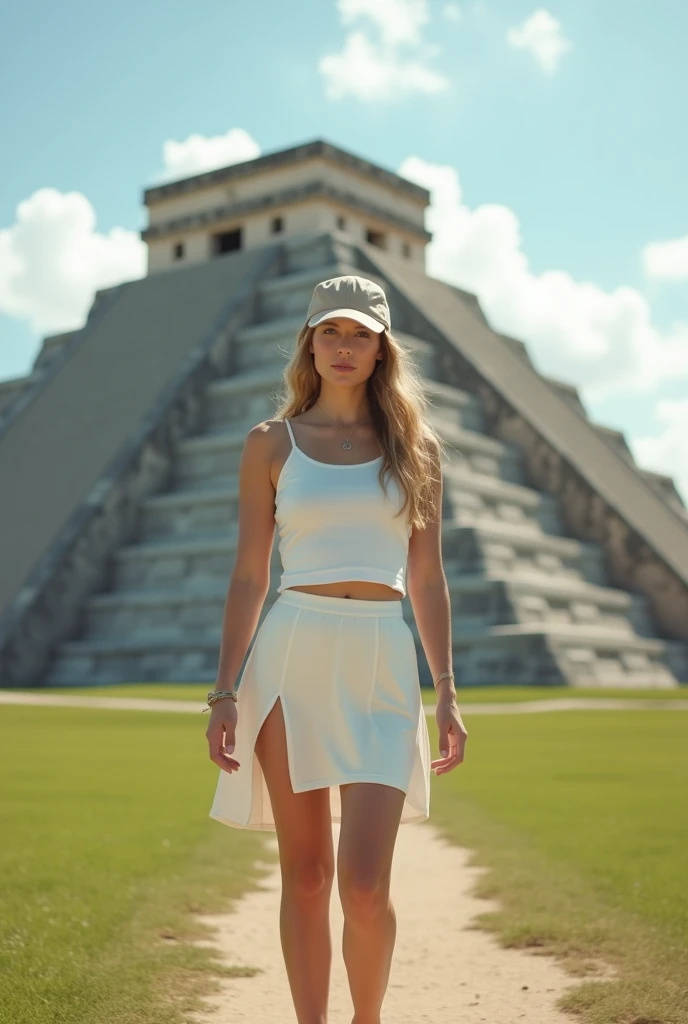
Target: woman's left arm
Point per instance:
(429, 595)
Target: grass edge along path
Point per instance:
(551, 910)
(630, 968)
(162, 935)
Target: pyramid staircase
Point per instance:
(530, 604)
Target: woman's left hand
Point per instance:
(452, 735)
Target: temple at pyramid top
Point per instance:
(294, 192)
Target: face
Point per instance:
(343, 341)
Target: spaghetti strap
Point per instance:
(291, 433)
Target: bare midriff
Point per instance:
(358, 590)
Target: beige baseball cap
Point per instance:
(350, 296)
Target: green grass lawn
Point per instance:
(107, 848)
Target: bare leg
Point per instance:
(304, 834)
(370, 822)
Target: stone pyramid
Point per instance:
(566, 563)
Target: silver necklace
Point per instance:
(347, 444)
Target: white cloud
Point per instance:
(199, 153)
(399, 21)
(363, 71)
(53, 259)
(541, 35)
(666, 452)
(370, 70)
(667, 260)
(452, 12)
(603, 341)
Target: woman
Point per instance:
(328, 723)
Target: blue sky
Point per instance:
(551, 138)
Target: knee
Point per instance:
(364, 897)
(309, 877)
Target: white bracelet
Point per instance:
(444, 675)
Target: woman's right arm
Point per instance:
(248, 585)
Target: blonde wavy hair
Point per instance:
(398, 408)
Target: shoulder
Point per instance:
(433, 455)
(432, 446)
(263, 439)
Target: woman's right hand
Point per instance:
(221, 733)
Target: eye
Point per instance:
(362, 331)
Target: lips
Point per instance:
(342, 366)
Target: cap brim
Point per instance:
(354, 314)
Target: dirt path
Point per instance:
(443, 970)
(195, 707)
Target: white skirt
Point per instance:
(346, 672)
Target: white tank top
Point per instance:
(335, 523)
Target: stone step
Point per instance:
(478, 452)
(242, 397)
(474, 498)
(454, 406)
(556, 654)
(275, 331)
(189, 512)
(259, 345)
(308, 252)
(479, 601)
(509, 550)
(186, 609)
(190, 560)
(136, 659)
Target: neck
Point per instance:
(345, 406)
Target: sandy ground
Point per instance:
(443, 970)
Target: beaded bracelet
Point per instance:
(216, 695)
